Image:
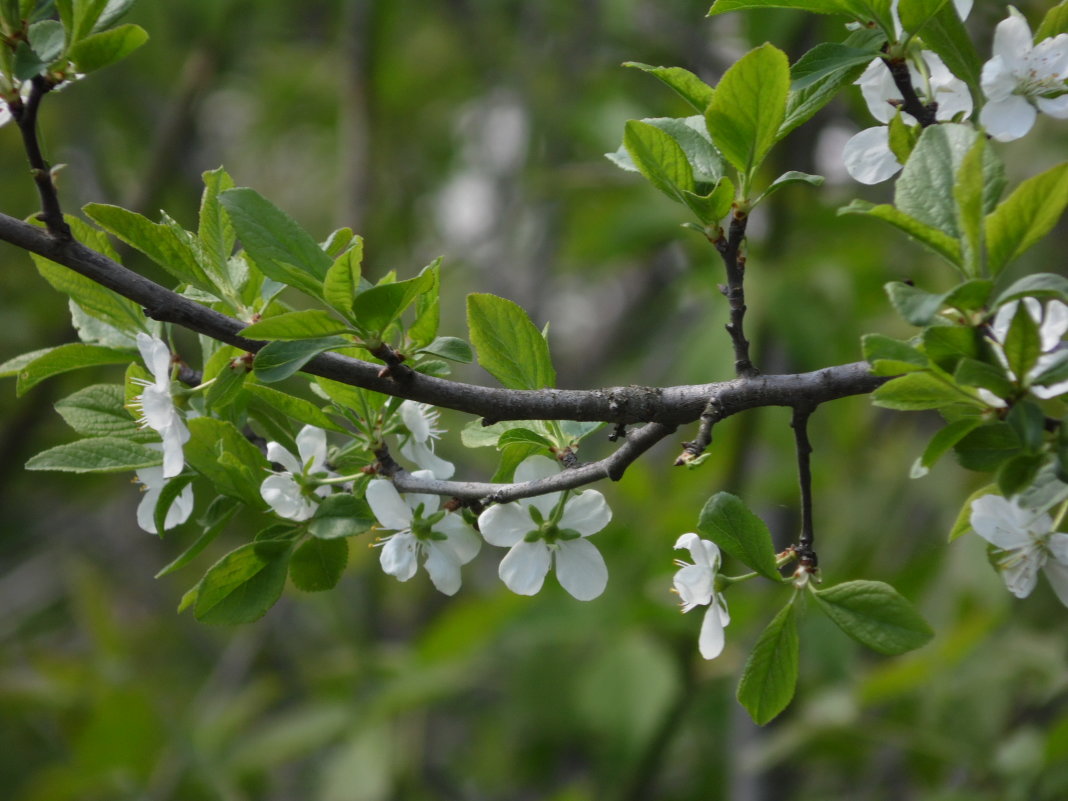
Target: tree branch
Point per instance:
(806, 554)
(669, 406)
(25, 115)
(730, 250)
(911, 103)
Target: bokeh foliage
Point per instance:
(474, 129)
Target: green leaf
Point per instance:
(215, 526)
(98, 411)
(341, 515)
(1023, 342)
(244, 584)
(963, 524)
(227, 370)
(787, 178)
(968, 194)
(364, 402)
(876, 615)
(111, 12)
(281, 249)
(509, 346)
(299, 409)
(279, 360)
(523, 435)
(377, 308)
(1025, 216)
(214, 230)
(451, 348)
(916, 305)
(1018, 473)
(714, 206)
(892, 356)
(770, 673)
(727, 521)
(688, 86)
(659, 158)
(925, 190)
(974, 373)
(102, 49)
(1053, 372)
(1029, 422)
(948, 344)
(317, 564)
(1038, 285)
(96, 455)
(223, 455)
(1055, 22)
(986, 448)
(914, 14)
(342, 280)
(826, 59)
(307, 324)
(941, 442)
(47, 38)
(65, 358)
(945, 34)
(748, 107)
(15, 364)
(160, 242)
(941, 243)
(166, 498)
(427, 309)
(916, 391)
(816, 6)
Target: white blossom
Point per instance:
(156, 403)
(153, 482)
(867, 156)
(1027, 543)
(538, 532)
(284, 493)
(1022, 79)
(421, 419)
(1052, 322)
(696, 586)
(442, 540)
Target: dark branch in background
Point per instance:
(730, 250)
(25, 116)
(806, 555)
(911, 103)
(691, 450)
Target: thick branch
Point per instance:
(911, 103)
(670, 406)
(612, 467)
(730, 249)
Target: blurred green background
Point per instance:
(475, 129)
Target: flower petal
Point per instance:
(524, 567)
(1004, 524)
(868, 158)
(416, 419)
(157, 357)
(276, 454)
(711, 639)
(694, 585)
(311, 445)
(283, 495)
(174, 438)
(587, 513)
(1057, 574)
(505, 524)
(399, 555)
(460, 537)
(1008, 118)
(580, 569)
(443, 568)
(423, 456)
(389, 508)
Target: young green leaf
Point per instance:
(688, 86)
(874, 614)
(342, 280)
(166, 498)
(945, 34)
(451, 348)
(915, 391)
(509, 346)
(299, 409)
(770, 673)
(95, 300)
(1054, 23)
(279, 360)
(98, 411)
(222, 454)
(968, 194)
(1023, 342)
(214, 230)
(938, 241)
(377, 308)
(317, 564)
(102, 49)
(1037, 285)
(276, 243)
(307, 324)
(14, 365)
(748, 107)
(786, 179)
(826, 59)
(659, 158)
(215, 525)
(816, 6)
(96, 455)
(941, 442)
(988, 447)
(244, 584)
(341, 515)
(946, 345)
(727, 521)
(65, 358)
(916, 305)
(892, 356)
(1025, 216)
(974, 373)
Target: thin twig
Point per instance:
(25, 116)
(911, 103)
(805, 546)
(692, 450)
(730, 250)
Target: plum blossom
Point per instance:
(156, 403)
(442, 540)
(1026, 541)
(288, 495)
(546, 528)
(153, 483)
(696, 586)
(421, 419)
(1052, 322)
(1022, 79)
(867, 156)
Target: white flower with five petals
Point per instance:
(1052, 322)
(156, 403)
(1022, 79)
(289, 496)
(546, 528)
(1027, 543)
(867, 155)
(421, 419)
(153, 482)
(696, 586)
(441, 539)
